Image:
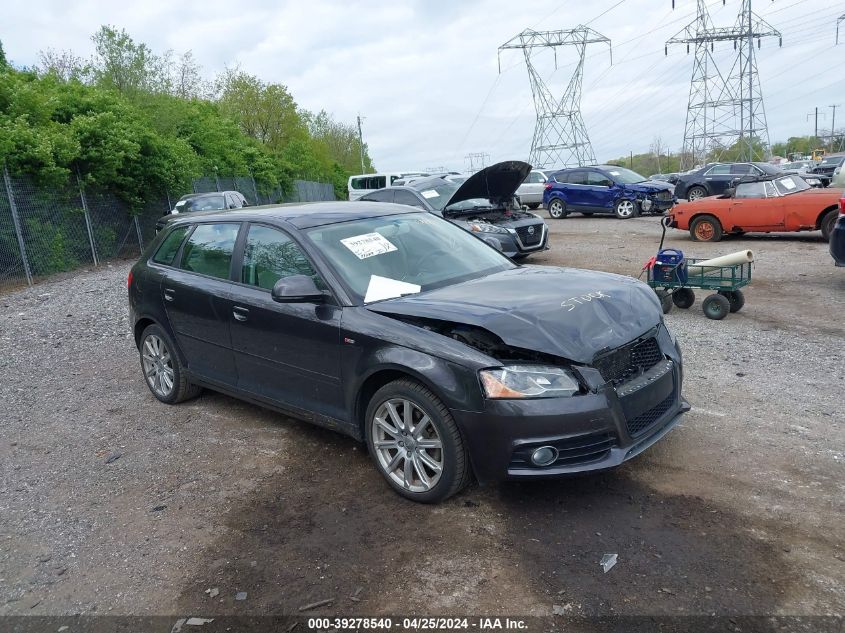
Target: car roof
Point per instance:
(191, 196)
(300, 215)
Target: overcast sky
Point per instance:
(424, 73)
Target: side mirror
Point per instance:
(297, 289)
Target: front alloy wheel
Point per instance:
(407, 445)
(415, 442)
(626, 209)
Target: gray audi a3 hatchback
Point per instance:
(405, 332)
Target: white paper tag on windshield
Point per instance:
(385, 288)
(788, 183)
(430, 193)
(368, 245)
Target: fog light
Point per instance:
(544, 456)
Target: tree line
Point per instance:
(134, 121)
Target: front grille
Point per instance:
(528, 238)
(664, 195)
(571, 451)
(642, 422)
(629, 361)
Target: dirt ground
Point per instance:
(111, 502)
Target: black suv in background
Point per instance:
(715, 178)
(828, 165)
(483, 204)
(400, 329)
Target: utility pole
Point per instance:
(560, 135)
(839, 20)
(833, 124)
(716, 98)
(816, 133)
(361, 144)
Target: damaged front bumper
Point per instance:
(588, 432)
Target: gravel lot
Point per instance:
(111, 502)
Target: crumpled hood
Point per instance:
(650, 187)
(566, 312)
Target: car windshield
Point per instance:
(832, 161)
(625, 176)
(438, 192)
(206, 203)
(791, 184)
(390, 256)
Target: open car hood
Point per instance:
(570, 313)
(495, 183)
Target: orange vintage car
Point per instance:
(764, 205)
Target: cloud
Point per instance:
(424, 73)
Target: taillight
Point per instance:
(548, 185)
(129, 280)
(841, 206)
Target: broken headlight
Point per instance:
(528, 381)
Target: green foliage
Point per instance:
(3, 62)
(134, 123)
(50, 245)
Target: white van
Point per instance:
(365, 183)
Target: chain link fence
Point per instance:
(48, 230)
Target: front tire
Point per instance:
(163, 371)
(706, 228)
(695, 193)
(557, 209)
(415, 443)
(625, 209)
(716, 307)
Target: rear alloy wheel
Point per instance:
(694, 193)
(706, 228)
(557, 209)
(163, 372)
(827, 224)
(683, 298)
(626, 209)
(735, 298)
(415, 443)
(716, 307)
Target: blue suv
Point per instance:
(605, 189)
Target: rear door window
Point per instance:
(170, 246)
(209, 249)
(578, 177)
(380, 196)
(719, 170)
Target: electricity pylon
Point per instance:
(839, 21)
(560, 136)
(724, 109)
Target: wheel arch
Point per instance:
(823, 214)
(140, 325)
(377, 379)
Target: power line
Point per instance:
(560, 135)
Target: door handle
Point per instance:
(168, 294)
(240, 313)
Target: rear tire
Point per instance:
(557, 209)
(706, 228)
(163, 371)
(684, 298)
(827, 224)
(735, 298)
(716, 307)
(535, 205)
(395, 442)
